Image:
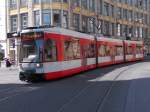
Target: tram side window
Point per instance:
(90, 50)
(71, 50)
(129, 50)
(104, 50)
(50, 50)
(119, 50)
(108, 50)
(93, 50)
(139, 50)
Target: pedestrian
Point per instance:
(8, 63)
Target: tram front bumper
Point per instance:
(30, 76)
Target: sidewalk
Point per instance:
(10, 68)
(3, 66)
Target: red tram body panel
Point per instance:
(61, 52)
(110, 51)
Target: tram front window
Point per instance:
(30, 50)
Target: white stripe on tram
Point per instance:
(60, 66)
(129, 56)
(117, 58)
(104, 59)
(91, 61)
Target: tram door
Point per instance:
(112, 53)
(84, 57)
(134, 50)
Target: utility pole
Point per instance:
(94, 21)
(97, 27)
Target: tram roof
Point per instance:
(68, 32)
(108, 39)
(137, 42)
(62, 31)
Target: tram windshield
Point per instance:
(31, 47)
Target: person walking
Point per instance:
(8, 63)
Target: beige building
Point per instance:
(124, 19)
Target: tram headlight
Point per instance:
(38, 65)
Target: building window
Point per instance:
(112, 29)
(13, 21)
(106, 9)
(99, 6)
(84, 4)
(56, 18)
(130, 34)
(65, 1)
(106, 28)
(112, 10)
(76, 21)
(145, 4)
(119, 16)
(36, 1)
(124, 30)
(46, 15)
(65, 19)
(45, 1)
(57, 0)
(84, 24)
(23, 3)
(136, 16)
(75, 3)
(13, 4)
(24, 20)
(125, 14)
(145, 19)
(92, 5)
(130, 16)
(91, 25)
(130, 2)
(36, 18)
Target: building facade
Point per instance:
(124, 19)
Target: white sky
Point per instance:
(2, 21)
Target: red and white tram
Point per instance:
(52, 53)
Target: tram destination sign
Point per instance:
(31, 35)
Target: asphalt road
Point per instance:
(118, 88)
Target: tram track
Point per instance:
(89, 92)
(14, 92)
(11, 92)
(101, 101)
(108, 91)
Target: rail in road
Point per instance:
(103, 94)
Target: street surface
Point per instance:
(117, 88)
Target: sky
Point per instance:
(2, 22)
(2, 19)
